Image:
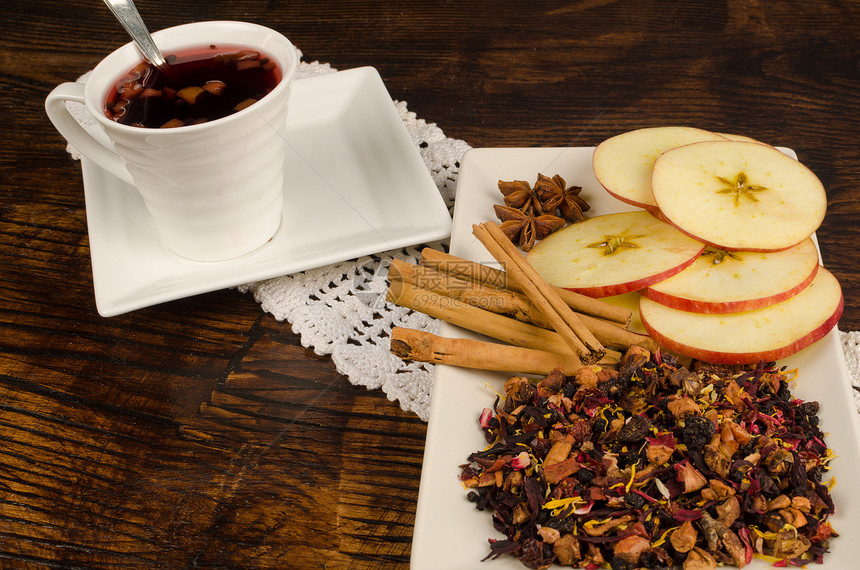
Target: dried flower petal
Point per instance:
(521, 461)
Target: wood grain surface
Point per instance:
(199, 433)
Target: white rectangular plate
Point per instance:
(450, 534)
(355, 185)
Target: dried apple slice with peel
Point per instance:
(623, 163)
(613, 254)
(738, 196)
(731, 282)
(767, 334)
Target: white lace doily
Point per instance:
(340, 309)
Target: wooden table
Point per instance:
(200, 432)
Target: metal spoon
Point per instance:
(127, 14)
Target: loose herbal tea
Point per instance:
(654, 465)
(201, 85)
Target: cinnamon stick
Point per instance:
(496, 278)
(506, 302)
(499, 301)
(563, 319)
(411, 344)
(479, 320)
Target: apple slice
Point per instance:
(738, 196)
(726, 282)
(613, 254)
(622, 164)
(768, 334)
(740, 138)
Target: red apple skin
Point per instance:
(659, 215)
(748, 357)
(692, 306)
(630, 286)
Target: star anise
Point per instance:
(524, 229)
(520, 195)
(554, 194)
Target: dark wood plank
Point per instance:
(200, 432)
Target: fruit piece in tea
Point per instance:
(200, 85)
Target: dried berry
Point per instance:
(697, 431)
(540, 447)
(584, 476)
(532, 553)
(634, 500)
(620, 564)
(635, 429)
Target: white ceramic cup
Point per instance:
(215, 190)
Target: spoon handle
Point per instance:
(127, 14)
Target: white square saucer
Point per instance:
(356, 185)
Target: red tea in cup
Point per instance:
(200, 85)
(213, 191)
